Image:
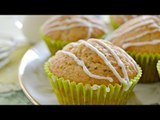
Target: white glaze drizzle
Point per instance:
(126, 45)
(81, 23)
(120, 63)
(91, 19)
(141, 35)
(145, 22)
(129, 58)
(128, 85)
(151, 19)
(47, 27)
(153, 25)
(64, 27)
(53, 24)
(81, 63)
(90, 30)
(102, 56)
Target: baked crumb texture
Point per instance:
(141, 34)
(70, 28)
(64, 63)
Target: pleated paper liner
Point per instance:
(113, 23)
(54, 45)
(148, 64)
(158, 68)
(71, 93)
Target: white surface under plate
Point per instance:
(38, 89)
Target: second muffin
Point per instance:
(140, 37)
(92, 72)
(61, 30)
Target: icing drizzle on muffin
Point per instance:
(104, 58)
(130, 34)
(70, 22)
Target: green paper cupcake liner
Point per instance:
(148, 64)
(54, 45)
(158, 68)
(113, 23)
(71, 93)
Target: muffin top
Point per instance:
(94, 61)
(121, 19)
(141, 34)
(71, 28)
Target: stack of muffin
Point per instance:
(87, 69)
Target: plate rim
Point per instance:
(28, 95)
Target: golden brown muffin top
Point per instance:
(73, 27)
(92, 62)
(141, 34)
(121, 19)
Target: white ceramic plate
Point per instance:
(32, 78)
(38, 89)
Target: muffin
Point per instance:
(58, 31)
(118, 20)
(92, 72)
(158, 68)
(140, 37)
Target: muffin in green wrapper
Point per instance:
(140, 37)
(58, 31)
(92, 72)
(148, 63)
(158, 68)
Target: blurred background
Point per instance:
(17, 34)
